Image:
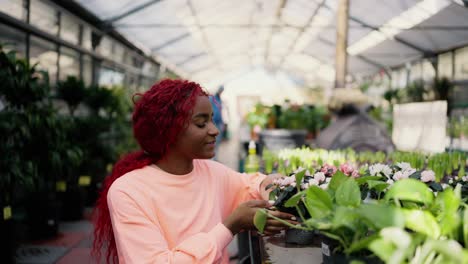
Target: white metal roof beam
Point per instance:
(282, 4)
(192, 57)
(302, 30)
(204, 37)
(131, 11)
(171, 41)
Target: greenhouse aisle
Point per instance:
(73, 245)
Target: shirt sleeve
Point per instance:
(243, 187)
(140, 239)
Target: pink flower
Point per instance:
(427, 176)
(347, 169)
(328, 170)
(355, 174)
(319, 176)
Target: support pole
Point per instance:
(341, 59)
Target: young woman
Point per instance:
(169, 203)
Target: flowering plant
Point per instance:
(295, 184)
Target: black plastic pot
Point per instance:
(72, 207)
(42, 216)
(331, 256)
(300, 237)
(8, 241)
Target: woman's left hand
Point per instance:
(273, 226)
(268, 180)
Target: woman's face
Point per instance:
(197, 141)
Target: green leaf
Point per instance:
(345, 217)
(410, 190)
(436, 186)
(294, 200)
(422, 221)
(465, 224)
(272, 195)
(450, 249)
(416, 175)
(318, 202)
(377, 185)
(392, 245)
(260, 219)
(381, 215)
(361, 243)
(364, 179)
(299, 176)
(318, 224)
(348, 193)
(447, 203)
(382, 249)
(337, 180)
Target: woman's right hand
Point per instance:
(242, 218)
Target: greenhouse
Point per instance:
(249, 131)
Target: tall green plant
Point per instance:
(72, 91)
(25, 95)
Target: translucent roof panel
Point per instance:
(438, 33)
(376, 13)
(391, 53)
(202, 39)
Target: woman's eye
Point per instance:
(201, 125)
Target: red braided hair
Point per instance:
(158, 118)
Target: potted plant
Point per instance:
(103, 134)
(73, 92)
(435, 226)
(338, 213)
(26, 96)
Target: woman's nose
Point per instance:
(213, 130)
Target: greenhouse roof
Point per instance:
(206, 39)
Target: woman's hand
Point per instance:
(242, 218)
(273, 226)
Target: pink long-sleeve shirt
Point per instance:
(159, 217)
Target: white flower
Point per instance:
(451, 181)
(390, 181)
(444, 185)
(313, 182)
(408, 172)
(327, 180)
(377, 168)
(324, 186)
(427, 176)
(319, 176)
(403, 165)
(387, 171)
(465, 178)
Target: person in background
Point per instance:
(168, 202)
(217, 105)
